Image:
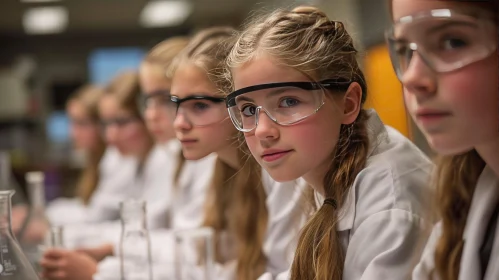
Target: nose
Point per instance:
(266, 128)
(111, 134)
(181, 122)
(151, 114)
(418, 78)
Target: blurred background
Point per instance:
(49, 48)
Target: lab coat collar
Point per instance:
(377, 135)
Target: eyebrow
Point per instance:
(447, 24)
(274, 92)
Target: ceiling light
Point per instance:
(165, 13)
(45, 20)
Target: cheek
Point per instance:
(134, 134)
(473, 92)
(313, 140)
(220, 136)
(211, 139)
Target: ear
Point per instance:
(352, 103)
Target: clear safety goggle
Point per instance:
(284, 103)
(159, 99)
(446, 40)
(199, 110)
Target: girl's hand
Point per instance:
(61, 264)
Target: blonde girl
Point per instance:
(445, 54)
(298, 95)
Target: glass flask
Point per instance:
(194, 254)
(135, 245)
(35, 231)
(14, 265)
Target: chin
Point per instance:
(447, 147)
(281, 174)
(193, 155)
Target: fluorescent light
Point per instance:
(45, 20)
(165, 13)
(39, 1)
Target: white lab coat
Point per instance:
(186, 205)
(484, 200)
(153, 184)
(117, 174)
(381, 224)
(287, 214)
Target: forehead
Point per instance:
(189, 79)
(264, 69)
(109, 106)
(402, 8)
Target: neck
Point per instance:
(490, 154)
(144, 151)
(230, 156)
(315, 178)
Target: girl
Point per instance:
(255, 219)
(86, 137)
(156, 87)
(85, 133)
(445, 54)
(298, 99)
(124, 129)
(184, 210)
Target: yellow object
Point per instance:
(385, 90)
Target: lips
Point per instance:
(431, 113)
(188, 141)
(273, 155)
(431, 117)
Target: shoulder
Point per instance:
(396, 177)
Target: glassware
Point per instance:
(14, 265)
(194, 254)
(55, 238)
(34, 233)
(135, 245)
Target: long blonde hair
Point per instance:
(88, 96)
(165, 52)
(236, 200)
(305, 39)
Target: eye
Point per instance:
(289, 102)
(453, 43)
(200, 106)
(248, 110)
(400, 48)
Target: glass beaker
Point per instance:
(194, 254)
(135, 245)
(14, 265)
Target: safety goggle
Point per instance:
(446, 40)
